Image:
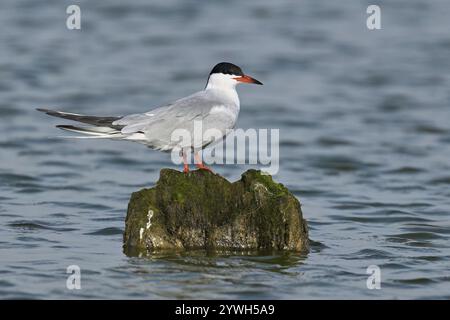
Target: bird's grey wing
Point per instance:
(181, 115)
(159, 124)
(166, 118)
(211, 113)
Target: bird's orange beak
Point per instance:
(247, 79)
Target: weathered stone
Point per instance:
(202, 210)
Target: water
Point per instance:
(365, 143)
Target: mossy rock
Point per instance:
(202, 210)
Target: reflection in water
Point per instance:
(229, 273)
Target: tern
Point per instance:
(217, 107)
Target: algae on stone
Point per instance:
(202, 210)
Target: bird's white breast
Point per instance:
(228, 110)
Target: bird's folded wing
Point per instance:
(164, 120)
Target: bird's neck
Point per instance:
(227, 94)
(221, 82)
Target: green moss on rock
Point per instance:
(202, 210)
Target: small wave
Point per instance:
(442, 180)
(427, 228)
(339, 163)
(417, 236)
(12, 144)
(307, 192)
(122, 161)
(61, 164)
(5, 284)
(376, 219)
(396, 102)
(78, 205)
(406, 170)
(106, 232)
(331, 142)
(371, 253)
(431, 258)
(418, 281)
(31, 152)
(14, 178)
(430, 129)
(34, 239)
(6, 111)
(376, 204)
(34, 225)
(290, 143)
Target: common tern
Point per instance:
(217, 107)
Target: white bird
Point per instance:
(217, 106)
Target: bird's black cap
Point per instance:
(227, 68)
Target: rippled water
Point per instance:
(365, 143)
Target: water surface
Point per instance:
(364, 128)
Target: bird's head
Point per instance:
(228, 75)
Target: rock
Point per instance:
(202, 210)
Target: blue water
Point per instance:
(364, 129)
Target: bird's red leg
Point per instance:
(199, 164)
(185, 163)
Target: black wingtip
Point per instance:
(69, 127)
(44, 110)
